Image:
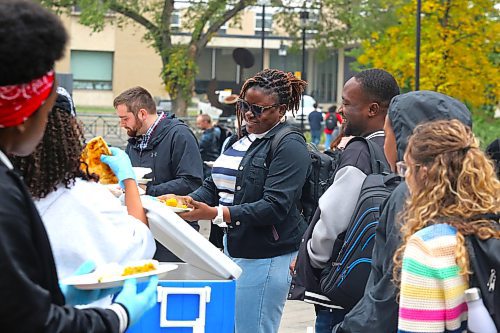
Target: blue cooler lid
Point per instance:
(185, 242)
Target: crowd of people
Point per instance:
(252, 191)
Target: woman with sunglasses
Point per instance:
(453, 193)
(255, 195)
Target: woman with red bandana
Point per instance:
(32, 298)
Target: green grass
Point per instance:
(95, 109)
(486, 128)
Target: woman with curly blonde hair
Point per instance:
(453, 189)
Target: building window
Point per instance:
(268, 23)
(175, 20)
(92, 70)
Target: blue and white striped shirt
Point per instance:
(226, 167)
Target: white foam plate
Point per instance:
(90, 281)
(179, 209)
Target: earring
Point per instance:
(283, 119)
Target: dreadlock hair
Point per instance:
(460, 189)
(285, 86)
(56, 160)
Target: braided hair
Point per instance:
(56, 160)
(285, 86)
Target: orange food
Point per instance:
(130, 270)
(91, 155)
(172, 202)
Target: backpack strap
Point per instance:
(276, 139)
(378, 162)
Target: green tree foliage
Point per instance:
(204, 18)
(338, 23)
(459, 49)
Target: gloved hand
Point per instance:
(137, 304)
(120, 163)
(76, 296)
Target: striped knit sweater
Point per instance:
(432, 291)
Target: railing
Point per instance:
(108, 126)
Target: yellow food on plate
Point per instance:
(172, 202)
(147, 267)
(114, 271)
(91, 156)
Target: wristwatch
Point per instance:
(219, 219)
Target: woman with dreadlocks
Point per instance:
(255, 193)
(454, 193)
(83, 219)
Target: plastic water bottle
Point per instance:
(479, 320)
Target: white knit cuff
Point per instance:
(122, 314)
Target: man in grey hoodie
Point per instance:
(377, 311)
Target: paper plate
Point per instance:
(179, 209)
(90, 281)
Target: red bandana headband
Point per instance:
(19, 101)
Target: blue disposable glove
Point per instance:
(76, 296)
(137, 304)
(120, 163)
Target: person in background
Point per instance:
(209, 142)
(33, 300)
(257, 197)
(377, 310)
(453, 187)
(331, 134)
(162, 143)
(99, 228)
(315, 123)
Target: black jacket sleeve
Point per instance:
(377, 311)
(186, 164)
(31, 300)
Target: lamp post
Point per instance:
(263, 3)
(417, 47)
(304, 17)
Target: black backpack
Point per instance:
(224, 134)
(331, 121)
(485, 264)
(322, 173)
(344, 279)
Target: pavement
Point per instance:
(298, 317)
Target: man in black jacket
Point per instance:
(162, 143)
(32, 300)
(377, 311)
(209, 142)
(365, 99)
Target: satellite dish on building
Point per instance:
(244, 58)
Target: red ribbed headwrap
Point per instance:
(19, 101)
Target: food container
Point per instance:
(199, 296)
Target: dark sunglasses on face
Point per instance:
(256, 110)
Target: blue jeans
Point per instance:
(328, 139)
(316, 136)
(261, 292)
(326, 319)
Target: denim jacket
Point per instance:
(265, 217)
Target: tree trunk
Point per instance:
(180, 103)
(179, 106)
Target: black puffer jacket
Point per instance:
(377, 311)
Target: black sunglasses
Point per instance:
(256, 110)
